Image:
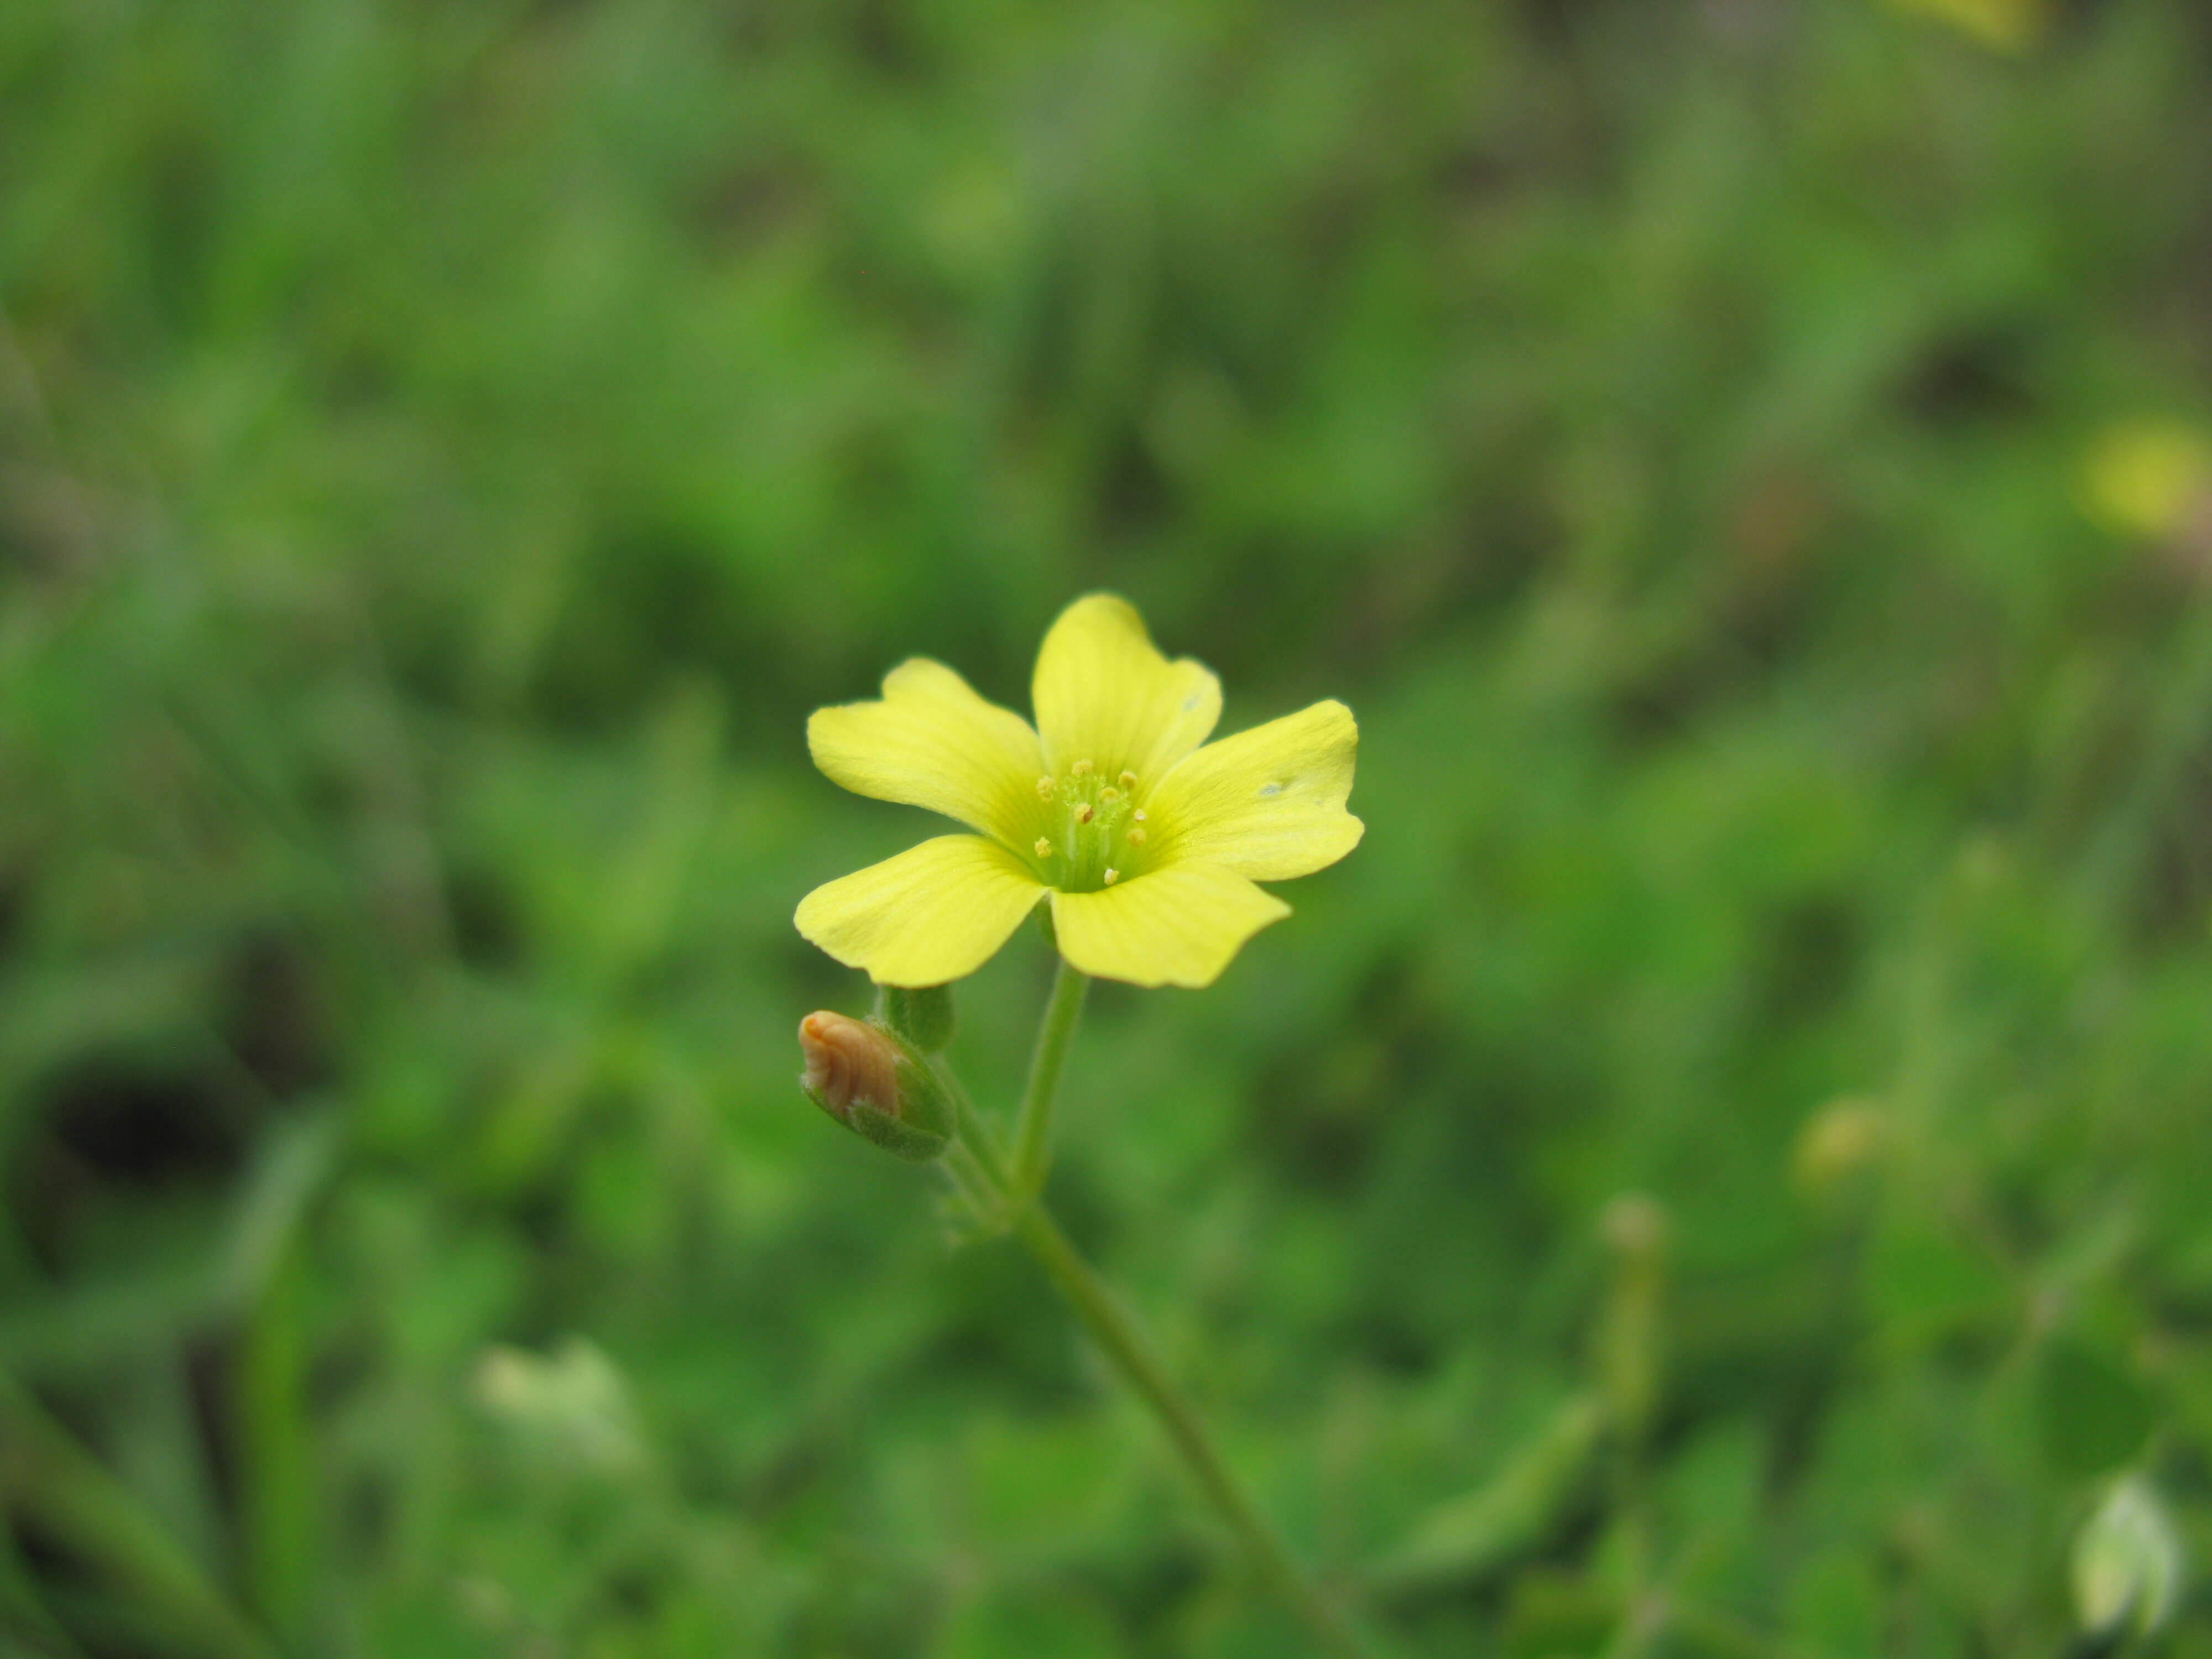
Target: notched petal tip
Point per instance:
(930, 741)
(1103, 692)
(1269, 802)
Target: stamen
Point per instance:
(1108, 795)
(1047, 787)
(1078, 768)
(1138, 815)
(1137, 835)
(1112, 876)
(1086, 812)
(1129, 780)
(1043, 848)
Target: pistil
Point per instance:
(1099, 830)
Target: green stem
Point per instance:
(1124, 1343)
(1033, 1130)
(974, 1137)
(1018, 1193)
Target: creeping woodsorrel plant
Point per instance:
(1139, 845)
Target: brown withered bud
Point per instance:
(866, 1079)
(847, 1061)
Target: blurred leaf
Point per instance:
(1835, 1604)
(2094, 1413)
(1468, 1536)
(1021, 1625)
(1922, 1282)
(54, 1488)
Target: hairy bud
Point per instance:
(869, 1081)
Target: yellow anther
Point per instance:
(1129, 780)
(1046, 787)
(1043, 848)
(1078, 768)
(1137, 836)
(1138, 815)
(1109, 794)
(1086, 812)
(1112, 876)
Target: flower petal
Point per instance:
(934, 913)
(1104, 693)
(933, 742)
(1267, 803)
(1174, 926)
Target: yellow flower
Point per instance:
(1146, 843)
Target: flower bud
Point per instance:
(2127, 1563)
(921, 1014)
(874, 1085)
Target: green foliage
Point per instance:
(446, 451)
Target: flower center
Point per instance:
(1096, 829)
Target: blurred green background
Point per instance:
(1725, 1169)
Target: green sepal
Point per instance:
(923, 1127)
(920, 1015)
(899, 1139)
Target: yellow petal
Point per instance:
(1174, 926)
(1104, 693)
(934, 913)
(1267, 803)
(933, 742)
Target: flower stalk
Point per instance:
(1033, 1129)
(1123, 1342)
(1014, 1196)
